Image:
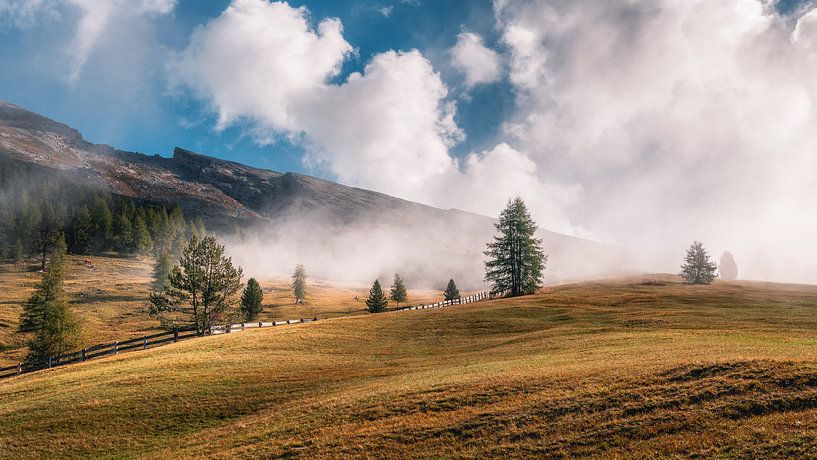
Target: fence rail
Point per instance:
(163, 338)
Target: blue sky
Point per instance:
(155, 121)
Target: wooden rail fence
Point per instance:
(163, 338)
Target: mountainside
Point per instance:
(339, 231)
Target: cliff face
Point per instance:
(306, 218)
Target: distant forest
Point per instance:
(35, 208)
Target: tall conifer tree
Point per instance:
(516, 259)
(697, 267)
(376, 302)
(299, 283)
(398, 290)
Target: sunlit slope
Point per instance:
(111, 298)
(624, 368)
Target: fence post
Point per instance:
(116, 347)
(84, 352)
(260, 324)
(49, 362)
(175, 334)
(228, 327)
(242, 326)
(145, 344)
(19, 368)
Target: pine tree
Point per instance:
(376, 302)
(81, 231)
(398, 290)
(698, 268)
(47, 314)
(251, 300)
(516, 259)
(299, 283)
(123, 233)
(161, 272)
(201, 288)
(728, 266)
(451, 292)
(141, 237)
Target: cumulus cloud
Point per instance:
(387, 128)
(680, 120)
(478, 63)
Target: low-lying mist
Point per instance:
(426, 251)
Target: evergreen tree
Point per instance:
(698, 268)
(103, 224)
(81, 231)
(201, 288)
(398, 290)
(251, 300)
(516, 260)
(299, 283)
(728, 266)
(451, 291)
(143, 243)
(161, 272)
(123, 233)
(376, 302)
(47, 314)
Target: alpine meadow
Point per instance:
(416, 229)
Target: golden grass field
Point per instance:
(111, 298)
(636, 368)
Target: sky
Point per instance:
(647, 123)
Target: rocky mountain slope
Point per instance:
(342, 232)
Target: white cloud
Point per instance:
(261, 60)
(97, 16)
(94, 21)
(680, 120)
(388, 128)
(471, 57)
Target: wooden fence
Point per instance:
(163, 338)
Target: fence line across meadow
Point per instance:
(164, 338)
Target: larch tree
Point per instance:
(201, 288)
(728, 266)
(398, 290)
(377, 301)
(299, 284)
(451, 292)
(515, 257)
(47, 314)
(697, 267)
(251, 300)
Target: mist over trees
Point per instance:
(376, 302)
(728, 267)
(698, 268)
(299, 284)
(451, 292)
(201, 288)
(36, 208)
(515, 257)
(47, 314)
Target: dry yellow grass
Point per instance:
(111, 299)
(624, 369)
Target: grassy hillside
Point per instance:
(112, 300)
(636, 368)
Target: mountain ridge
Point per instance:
(305, 211)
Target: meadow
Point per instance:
(628, 368)
(111, 297)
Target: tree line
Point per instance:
(35, 209)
